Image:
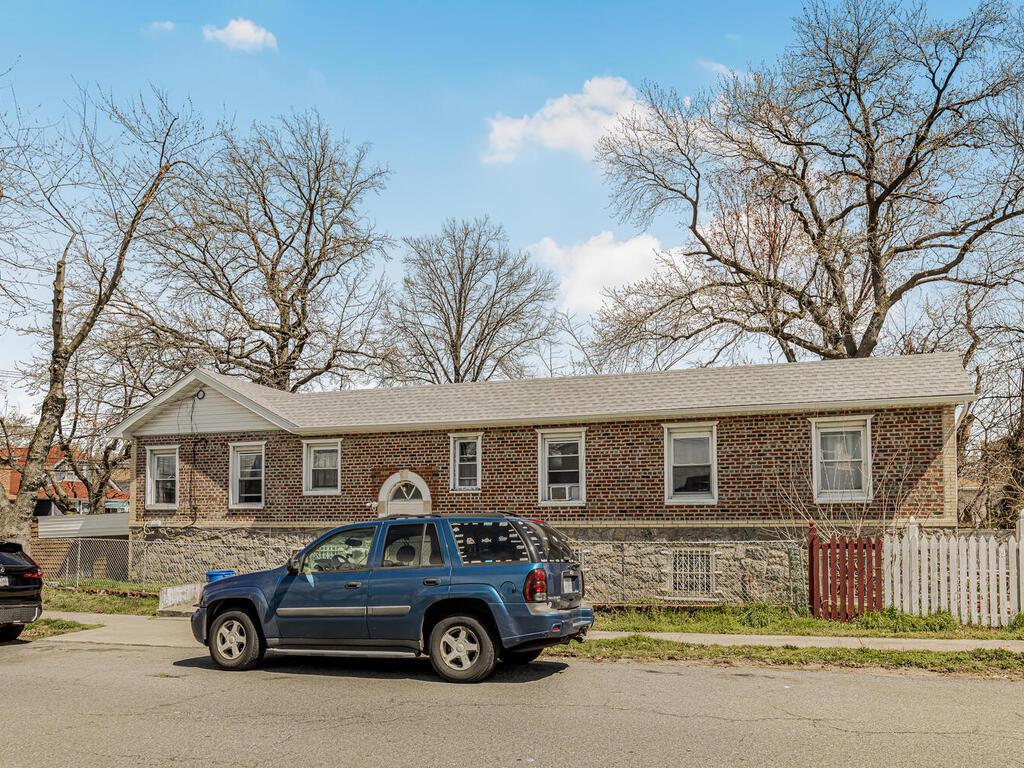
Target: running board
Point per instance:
(353, 654)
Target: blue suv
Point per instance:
(467, 591)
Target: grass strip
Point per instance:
(98, 602)
(765, 619)
(42, 628)
(984, 662)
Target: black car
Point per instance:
(21, 590)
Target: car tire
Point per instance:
(462, 649)
(10, 632)
(521, 657)
(235, 642)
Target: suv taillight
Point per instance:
(535, 590)
(37, 573)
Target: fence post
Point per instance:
(78, 562)
(913, 539)
(145, 559)
(812, 569)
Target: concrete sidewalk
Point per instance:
(176, 633)
(120, 629)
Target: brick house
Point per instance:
(741, 453)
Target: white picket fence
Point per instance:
(975, 577)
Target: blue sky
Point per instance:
(450, 95)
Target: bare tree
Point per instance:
(879, 161)
(264, 265)
(468, 308)
(84, 194)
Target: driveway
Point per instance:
(89, 704)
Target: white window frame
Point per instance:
(151, 488)
(544, 436)
(692, 429)
(233, 449)
(453, 461)
(308, 446)
(846, 423)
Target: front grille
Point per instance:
(18, 614)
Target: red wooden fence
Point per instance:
(844, 575)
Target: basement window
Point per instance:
(692, 572)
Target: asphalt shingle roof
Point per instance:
(870, 382)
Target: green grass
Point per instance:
(636, 647)
(765, 619)
(42, 628)
(55, 599)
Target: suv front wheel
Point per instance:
(461, 649)
(235, 642)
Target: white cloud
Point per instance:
(720, 69)
(586, 269)
(241, 35)
(155, 27)
(572, 122)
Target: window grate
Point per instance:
(693, 572)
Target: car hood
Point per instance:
(258, 579)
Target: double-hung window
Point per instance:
(841, 451)
(246, 476)
(321, 467)
(691, 475)
(562, 466)
(162, 477)
(465, 462)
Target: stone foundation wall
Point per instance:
(621, 565)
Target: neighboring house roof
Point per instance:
(10, 478)
(931, 379)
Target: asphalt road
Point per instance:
(68, 704)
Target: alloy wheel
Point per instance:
(231, 639)
(460, 648)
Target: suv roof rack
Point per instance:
(414, 515)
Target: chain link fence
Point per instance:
(133, 564)
(616, 572)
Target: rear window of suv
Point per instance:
(485, 541)
(551, 546)
(10, 554)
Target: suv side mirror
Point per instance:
(295, 563)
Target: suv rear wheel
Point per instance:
(9, 632)
(461, 649)
(235, 642)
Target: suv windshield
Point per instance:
(551, 546)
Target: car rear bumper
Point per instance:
(20, 613)
(538, 625)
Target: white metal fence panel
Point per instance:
(976, 577)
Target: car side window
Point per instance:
(345, 551)
(412, 545)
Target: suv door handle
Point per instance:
(431, 582)
(353, 584)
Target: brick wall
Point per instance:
(764, 466)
